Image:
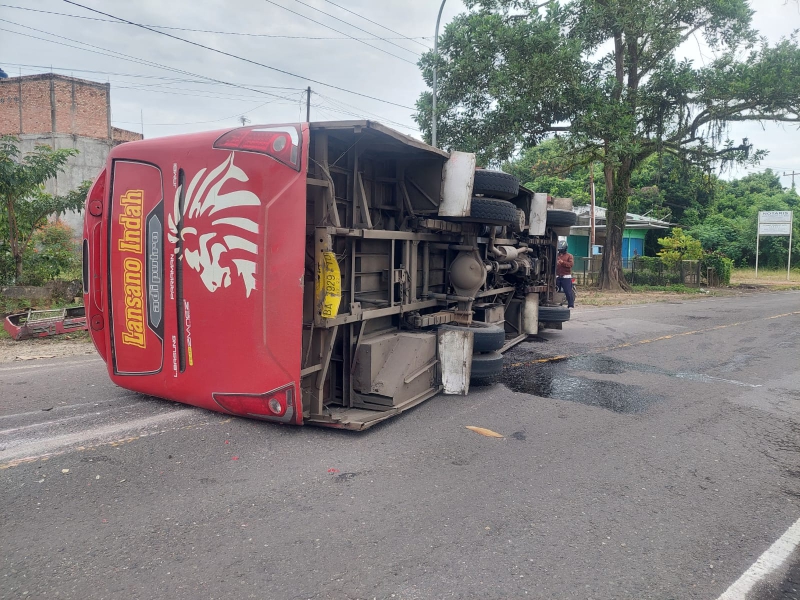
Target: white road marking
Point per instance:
(61, 421)
(702, 377)
(52, 365)
(74, 406)
(768, 562)
(25, 448)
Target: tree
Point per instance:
(679, 246)
(24, 205)
(608, 77)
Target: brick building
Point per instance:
(62, 112)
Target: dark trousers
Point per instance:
(566, 287)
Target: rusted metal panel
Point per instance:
(457, 179)
(530, 314)
(537, 222)
(393, 367)
(430, 320)
(455, 358)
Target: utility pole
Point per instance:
(435, 63)
(792, 174)
(308, 104)
(591, 213)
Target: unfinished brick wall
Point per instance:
(50, 103)
(123, 135)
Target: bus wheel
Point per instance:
(495, 184)
(491, 210)
(486, 338)
(486, 368)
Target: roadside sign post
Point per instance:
(772, 223)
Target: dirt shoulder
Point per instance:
(55, 347)
(590, 297)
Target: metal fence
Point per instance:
(643, 270)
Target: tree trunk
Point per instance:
(17, 268)
(617, 186)
(13, 239)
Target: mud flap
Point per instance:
(455, 359)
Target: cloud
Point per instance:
(169, 102)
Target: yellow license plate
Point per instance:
(329, 286)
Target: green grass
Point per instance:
(10, 306)
(765, 276)
(676, 288)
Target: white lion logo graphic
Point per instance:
(214, 226)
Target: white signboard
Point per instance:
(776, 222)
(775, 216)
(774, 228)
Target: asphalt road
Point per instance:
(657, 459)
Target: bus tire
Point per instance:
(561, 218)
(490, 210)
(553, 314)
(486, 368)
(495, 184)
(485, 339)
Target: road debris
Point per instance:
(484, 431)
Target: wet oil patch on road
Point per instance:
(552, 380)
(557, 379)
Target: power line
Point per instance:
(294, 12)
(198, 122)
(335, 104)
(149, 87)
(239, 33)
(354, 26)
(379, 25)
(120, 55)
(347, 109)
(135, 75)
(335, 87)
(195, 93)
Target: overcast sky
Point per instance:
(168, 102)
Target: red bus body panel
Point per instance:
(196, 269)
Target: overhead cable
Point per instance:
(294, 12)
(120, 55)
(247, 60)
(352, 12)
(239, 33)
(353, 26)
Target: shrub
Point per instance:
(679, 246)
(722, 265)
(53, 253)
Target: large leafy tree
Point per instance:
(24, 205)
(607, 76)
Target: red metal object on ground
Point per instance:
(45, 323)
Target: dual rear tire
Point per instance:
(492, 190)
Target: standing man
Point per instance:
(564, 263)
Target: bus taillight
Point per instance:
(276, 405)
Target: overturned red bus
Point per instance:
(329, 273)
